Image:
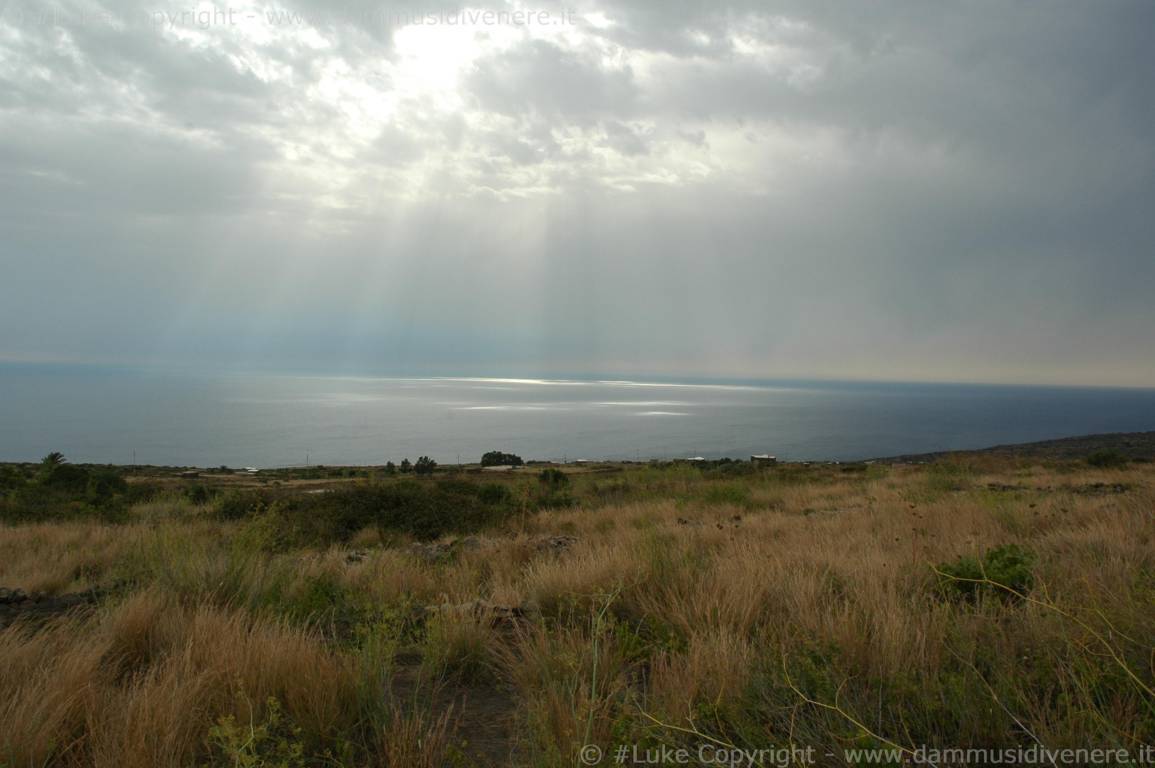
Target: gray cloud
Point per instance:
(541, 77)
(895, 191)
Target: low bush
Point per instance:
(199, 493)
(428, 511)
(494, 494)
(273, 742)
(553, 478)
(1107, 459)
(423, 510)
(1009, 566)
(58, 490)
(723, 468)
(236, 504)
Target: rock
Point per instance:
(1101, 489)
(555, 544)
(432, 552)
(15, 604)
(1005, 487)
(439, 551)
(468, 544)
(12, 596)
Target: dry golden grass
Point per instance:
(141, 683)
(59, 557)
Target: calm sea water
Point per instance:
(104, 415)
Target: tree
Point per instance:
(390, 468)
(50, 463)
(499, 459)
(406, 466)
(425, 466)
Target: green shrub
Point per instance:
(57, 490)
(553, 496)
(199, 493)
(261, 533)
(553, 477)
(103, 485)
(137, 493)
(321, 600)
(494, 494)
(65, 477)
(723, 468)
(424, 510)
(428, 511)
(1009, 565)
(234, 505)
(12, 478)
(1107, 459)
(274, 743)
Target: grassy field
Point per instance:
(511, 618)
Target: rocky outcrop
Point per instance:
(440, 551)
(16, 604)
(483, 611)
(555, 544)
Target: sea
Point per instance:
(123, 415)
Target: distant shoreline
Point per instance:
(1132, 445)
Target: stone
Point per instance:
(12, 596)
(556, 544)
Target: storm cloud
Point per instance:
(898, 190)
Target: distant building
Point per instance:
(763, 460)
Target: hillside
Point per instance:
(554, 618)
(1133, 445)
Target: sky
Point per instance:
(895, 190)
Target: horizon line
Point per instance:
(561, 379)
